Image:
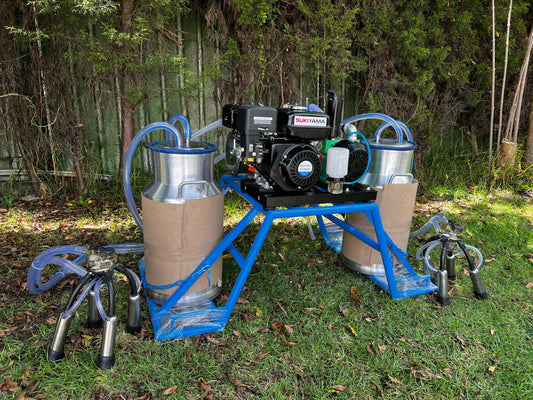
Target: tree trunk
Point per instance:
(507, 154)
(529, 141)
(38, 188)
(77, 139)
(126, 83)
(473, 140)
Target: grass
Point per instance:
(300, 330)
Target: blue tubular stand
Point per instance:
(172, 321)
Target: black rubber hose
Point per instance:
(443, 253)
(108, 280)
(471, 264)
(134, 288)
(83, 281)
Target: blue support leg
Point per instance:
(171, 324)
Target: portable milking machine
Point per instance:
(448, 239)
(286, 162)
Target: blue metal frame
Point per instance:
(172, 321)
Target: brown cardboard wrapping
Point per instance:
(177, 237)
(396, 203)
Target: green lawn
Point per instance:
(305, 325)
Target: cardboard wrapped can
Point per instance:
(396, 204)
(177, 237)
(183, 212)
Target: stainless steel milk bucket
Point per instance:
(183, 209)
(388, 156)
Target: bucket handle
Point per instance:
(404, 128)
(390, 121)
(203, 183)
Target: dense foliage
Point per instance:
(427, 63)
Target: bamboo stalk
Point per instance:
(164, 103)
(491, 134)
(522, 87)
(180, 75)
(98, 108)
(511, 131)
(504, 79)
(201, 96)
(45, 101)
(76, 144)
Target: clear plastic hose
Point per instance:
(404, 127)
(392, 122)
(186, 128)
(53, 256)
(126, 171)
(434, 223)
(207, 128)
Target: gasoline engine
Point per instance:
(293, 149)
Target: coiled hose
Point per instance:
(54, 256)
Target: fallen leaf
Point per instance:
(281, 308)
(277, 326)
(238, 334)
(354, 294)
(8, 365)
(493, 331)
(344, 311)
(406, 340)
(212, 340)
(339, 388)
(371, 349)
(21, 396)
(463, 343)
(383, 348)
(285, 343)
(393, 379)
(202, 385)
(309, 311)
(170, 390)
(9, 386)
(241, 300)
(448, 372)
(34, 387)
(353, 330)
(425, 374)
(288, 329)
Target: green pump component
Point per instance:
(359, 154)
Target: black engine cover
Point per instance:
(292, 167)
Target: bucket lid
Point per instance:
(194, 147)
(391, 144)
